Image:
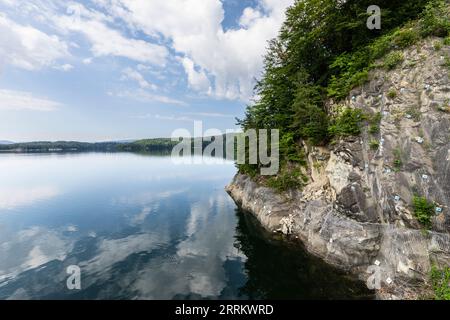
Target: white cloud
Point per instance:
(211, 115)
(222, 63)
(7, 2)
(249, 16)
(19, 100)
(189, 117)
(168, 118)
(64, 67)
(144, 96)
(231, 58)
(130, 74)
(142, 67)
(87, 61)
(173, 118)
(29, 48)
(106, 41)
(197, 79)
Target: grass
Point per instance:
(445, 107)
(447, 61)
(317, 165)
(398, 163)
(393, 59)
(437, 45)
(374, 145)
(374, 123)
(352, 69)
(392, 94)
(423, 210)
(405, 38)
(415, 113)
(287, 179)
(440, 279)
(250, 170)
(374, 129)
(347, 123)
(435, 20)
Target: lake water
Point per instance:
(141, 227)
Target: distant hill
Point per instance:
(6, 142)
(164, 145)
(59, 146)
(146, 145)
(123, 141)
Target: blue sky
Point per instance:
(97, 70)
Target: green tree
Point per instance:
(323, 50)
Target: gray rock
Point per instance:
(350, 216)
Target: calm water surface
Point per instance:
(141, 227)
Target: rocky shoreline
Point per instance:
(402, 255)
(356, 211)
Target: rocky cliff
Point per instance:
(356, 212)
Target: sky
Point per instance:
(103, 70)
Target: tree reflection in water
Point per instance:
(277, 269)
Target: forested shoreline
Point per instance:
(157, 145)
(323, 51)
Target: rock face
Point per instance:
(356, 213)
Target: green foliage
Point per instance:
(251, 170)
(381, 46)
(398, 163)
(440, 279)
(324, 46)
(149, 143)
(423, 210)
(290, 150)
(445, 107)
(447, 61)
(437, 45)
(393, 59)
(319, 31)
(289, 178)
(324, 50)
(405, 38)
(374, 123)
(374, 144)
(447, 41)
(436, 19)
(415, 113)
(374, 129)
(347, 123)
(392, 94)
(310, 120)
(340, 86)
(376, 118)
(351, 69)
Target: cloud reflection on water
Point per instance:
(152, 260)
(29, 249)
(11, 198)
